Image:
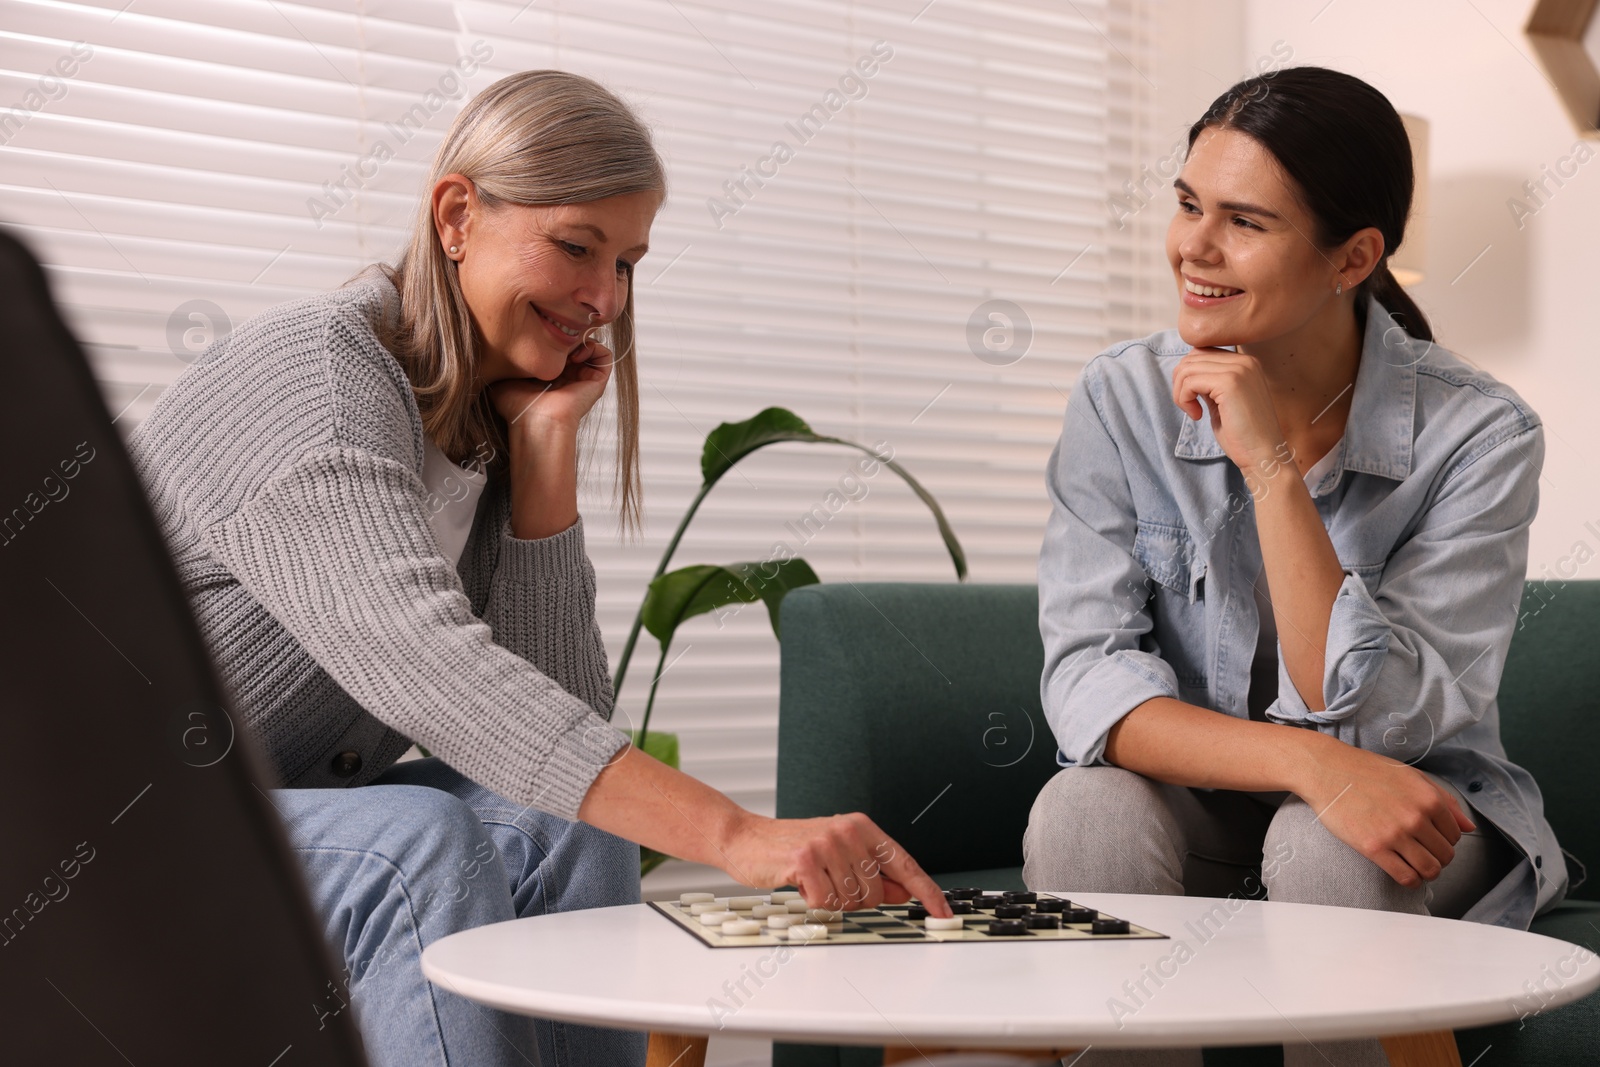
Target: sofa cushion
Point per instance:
(919, 705)
(1550, 712)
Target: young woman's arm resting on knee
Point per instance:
(1389, 812)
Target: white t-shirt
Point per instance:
(452, 499)
(1264, 667)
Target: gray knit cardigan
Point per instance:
(285, 469)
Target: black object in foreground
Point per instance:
(150, 909)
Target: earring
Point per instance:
(454, 250)
(1337, 289)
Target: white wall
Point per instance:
(1528, 311)
(1202, 52)
(1197, 52)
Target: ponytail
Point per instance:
(1388, 291)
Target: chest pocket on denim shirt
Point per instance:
(1176, 601)
(1168, 555)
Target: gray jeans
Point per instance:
(1109, 830)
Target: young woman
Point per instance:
(1285, 558)
(361, 590)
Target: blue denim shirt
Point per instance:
(1150, 554)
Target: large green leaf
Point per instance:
(725, 446)
(663, 747)
(732, 441)
(958, 555)
(690, 591)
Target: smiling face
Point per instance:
(535, 278)
(1241, 249)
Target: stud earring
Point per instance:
(454, 250)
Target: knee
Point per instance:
(577, 865)
(1081, 799)
(440, 851)
(406, 825)
(1303, 862)
(394, 866)
(1089, 824)
(608, 869)
(432, 827)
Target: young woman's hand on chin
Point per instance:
(531, 405)
(1243, 418)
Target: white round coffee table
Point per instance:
(1232, 972)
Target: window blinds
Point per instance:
(890, 216)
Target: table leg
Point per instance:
(675, 1050)
(898, 1054)
(1436, 1049)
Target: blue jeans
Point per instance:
(421, 853)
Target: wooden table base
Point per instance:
(675, 1050)
(1435, 1049)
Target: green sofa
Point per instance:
(919, 705)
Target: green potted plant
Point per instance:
(673, 598)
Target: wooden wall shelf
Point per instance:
(1556, 29)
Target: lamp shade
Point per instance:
(1411, 257)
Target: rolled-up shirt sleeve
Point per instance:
(1093, 594)
(1418, 659)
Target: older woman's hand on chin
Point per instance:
(542, 419)
(840, 862)
(530, 405)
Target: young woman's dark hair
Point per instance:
(1343, 144)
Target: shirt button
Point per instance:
(346, 764)
(1474, 787)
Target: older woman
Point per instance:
(1285, 559)
(362, 590)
